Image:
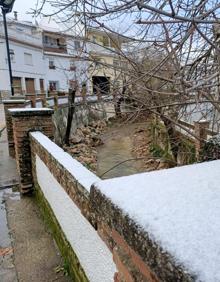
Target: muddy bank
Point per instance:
(116, 157)
(119, 147)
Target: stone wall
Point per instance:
(136, 255)
(25, 120)
(62, 190)
(72, 180)
(10, 104)
(137, 216)
(84, 114)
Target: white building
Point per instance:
(43, 58)
(27, 58)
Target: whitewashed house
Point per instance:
(43, 58)
(63, 56)
(27, 58)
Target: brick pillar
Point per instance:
(24, 121)
(200, 130)
(9, 104)
(56, 102)
(32, 98)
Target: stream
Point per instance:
(117, 148)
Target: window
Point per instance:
(105, 41)
(50, 41)
(77, 45)
(12, 55)
(72, 66)
(51, 65)
(116, 63)
(120, 64)
(41, 85)
(28, 59)
(53, 85)
(17, 85)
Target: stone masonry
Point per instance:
(24, 121)
(10, 104)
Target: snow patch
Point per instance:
(94, 256)
(62, 100)
(50, 102)
(180, 209)
(39, 104)
(29, 109)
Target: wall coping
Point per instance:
(18, 101)
(30, 112)
(84, 176)
(178, 209)
(94, 256)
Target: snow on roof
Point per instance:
(49, 24)
(94, 256)
(85, 177)
(180, 210)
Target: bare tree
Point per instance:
(170, 62)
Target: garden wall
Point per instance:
(157, 226)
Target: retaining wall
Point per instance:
(62, 187)
(157, 226)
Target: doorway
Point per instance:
(30, 88)
(17, 85)
(101, 85)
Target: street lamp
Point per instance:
(7, 6)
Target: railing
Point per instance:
(191, 127)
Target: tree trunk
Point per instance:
(71, 110)
(173, 139)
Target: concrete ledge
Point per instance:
(20, 112)
(14, 101)
(90, 251)
(74, 178)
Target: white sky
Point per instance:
(22, 7)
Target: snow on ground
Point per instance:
(94, 256)
(180, 209)
(85, 177)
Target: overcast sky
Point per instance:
(22, 7)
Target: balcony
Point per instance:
(54, 44)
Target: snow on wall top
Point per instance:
(29, 110)
(180, 210)
(94, 256)
(85, 177)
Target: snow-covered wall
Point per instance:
(64, 184)
(169, 217)
(83, 115)
(159, 226)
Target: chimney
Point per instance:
(15, 15)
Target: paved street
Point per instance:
(27, 249)
(8, 174)
(8, 177)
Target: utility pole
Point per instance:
(4, 12)
(7, 6)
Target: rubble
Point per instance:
(83, 144)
